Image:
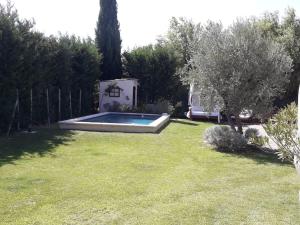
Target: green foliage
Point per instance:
(251, 133)
(181, 37)
(287, 32)
(237, 68)
(155, 67)
(223, 138)
(13, 52)
(116, 107)
(108, 40)
(30, 60)
(161, 106)
(253, 137)
(282, 129)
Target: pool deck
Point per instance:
(78, 124)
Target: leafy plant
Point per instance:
(282, 129)
(161, 106)
(63, 66)
(253, 137)
(223, 138)
(285, 30)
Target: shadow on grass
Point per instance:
(185, 122)
(260, 156)
(40, 143)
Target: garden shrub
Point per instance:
(179, 109)
(162, 106)
(251, 133)
(117, 107)
(223, 138)
(32, 61)
(282, 129)
(252, 136)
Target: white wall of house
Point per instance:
(128, 93)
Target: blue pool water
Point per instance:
(123, 119)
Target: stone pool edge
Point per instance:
(77, 124)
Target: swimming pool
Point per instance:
(124, 119)
(118, 122)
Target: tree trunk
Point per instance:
(230, 121)
(239, 124)
(13, 116)
(297, 166)
(297, 163)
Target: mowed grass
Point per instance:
(75, 177)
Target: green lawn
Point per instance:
(65, 177)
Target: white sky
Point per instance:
(141, 21)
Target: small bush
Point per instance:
(125, 108)
(282, 129)
(224, 139)
(180, 109)
(162, 106)
(253, 137)
(114, 107)
(139, 109)
(251, 133)
(117, 107)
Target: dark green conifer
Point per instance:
(108, 40)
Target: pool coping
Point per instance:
(77, 124)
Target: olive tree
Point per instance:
(237, 68)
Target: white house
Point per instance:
(122, 92)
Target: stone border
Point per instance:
(77, 124)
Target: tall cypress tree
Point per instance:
(108, 40)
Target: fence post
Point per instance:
(80, 93)
(59, 104)
(100, 97)
(31, 111)
(13, 116)
(70, 98)
(48, 107)
(18, 110)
